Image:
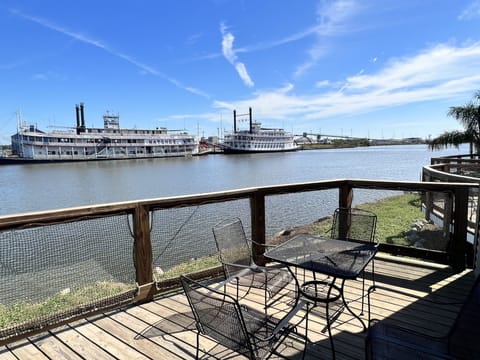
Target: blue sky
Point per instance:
(376, 68)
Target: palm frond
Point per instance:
(468, 116)
(452, 138)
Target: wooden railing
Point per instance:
(458, 168)
(140, 211)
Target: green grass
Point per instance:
(23, 311)
(188, 268)
(395, 215)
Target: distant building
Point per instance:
(213, 140)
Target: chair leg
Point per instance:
(370, 290)
(373, 272)
(373, 281)
(265, 297)
(327, 316)
(363, 284)
(198, 345)
(238, 291)
(306, 332)
(363, 291)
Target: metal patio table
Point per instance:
(339, 259)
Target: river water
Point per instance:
(40, 262)
(36, 187)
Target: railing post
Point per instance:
(427, 195)
(345, 197)
(143, 252)
(257, 212)
(447, 212)
(458, 249)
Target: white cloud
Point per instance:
(227, 47)
(437, 73)
(101, 45)
(331, 20)
(322, 83)
(242, 71)
(334, 13)
(472, 11)
(434, 65)
(230, 54)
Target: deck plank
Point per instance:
(164, 328)
(104, 339)
(26, 350)
(88, 349)
(53, 348)
(6, 354)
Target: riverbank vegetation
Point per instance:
(395, 217)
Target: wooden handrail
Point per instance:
(15, 220)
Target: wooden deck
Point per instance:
(164, 328)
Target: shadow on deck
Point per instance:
(164, 328)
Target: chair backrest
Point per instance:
(218, 316)
(354, 224)
(232, 244)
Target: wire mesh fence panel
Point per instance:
(301, 210)
(288, 213)
(50, 272)
(182, 238)
(402, 216)
(473, 205)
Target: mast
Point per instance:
(18, 115)
(250, 116)
(234, 121)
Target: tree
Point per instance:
(469, 117)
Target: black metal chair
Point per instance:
(238, 265)
(237, 327)
(357, 225)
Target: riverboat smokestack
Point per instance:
(234, 121)
(82, 117)
(77, 112)
(250, 116)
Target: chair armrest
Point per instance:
(247, 268)
(285, 327)
(263, 245)
(286, 319)
(244, 270)
(284, 324)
